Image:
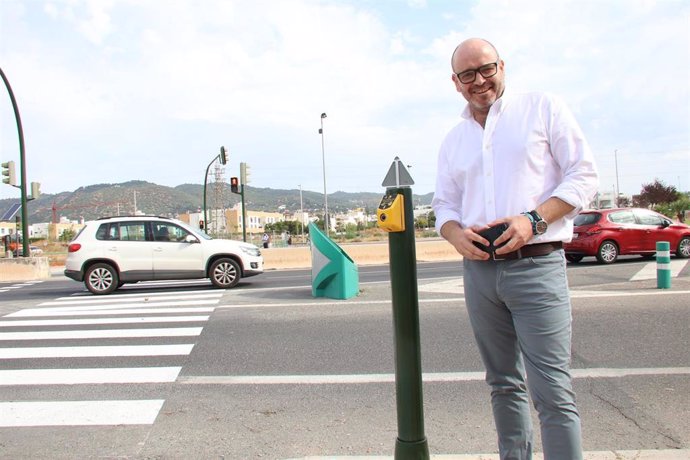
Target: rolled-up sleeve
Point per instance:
(447, 196)
(574, 156)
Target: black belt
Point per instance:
(531, 250)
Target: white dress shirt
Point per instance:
(530, 149)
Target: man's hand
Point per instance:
(462, 238)
(517, 235)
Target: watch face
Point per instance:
(541, 227)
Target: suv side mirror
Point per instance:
(190, 239)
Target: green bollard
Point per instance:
(663, 265)
(396, 216)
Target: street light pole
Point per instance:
(618, 190)
(325, 194)
(301, 214)
(22, 168)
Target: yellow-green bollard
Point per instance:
(663, 265)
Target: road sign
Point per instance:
(9, 214)
(397, 175)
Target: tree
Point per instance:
(655, 193)
(680, 207)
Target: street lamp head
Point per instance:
(323, 115)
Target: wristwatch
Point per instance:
(539, 225)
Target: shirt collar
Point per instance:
(496, 107)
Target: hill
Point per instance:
(93, 201)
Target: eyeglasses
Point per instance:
(486, 71)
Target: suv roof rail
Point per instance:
(133, 215)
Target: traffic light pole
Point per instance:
(222, 156)
(244, 215)
(22, 168)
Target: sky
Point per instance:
(111, 91)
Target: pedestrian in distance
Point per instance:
(266, 239)
(516, 169)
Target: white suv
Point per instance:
(112, 251)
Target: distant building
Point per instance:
(229, 221)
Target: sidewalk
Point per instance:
(667, 454)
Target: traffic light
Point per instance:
(244, 173)
(35, 190)
(223, 156)
(234, 185)
(201, 225)
(8, 171)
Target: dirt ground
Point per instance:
(362, 253)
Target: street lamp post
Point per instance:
(301, 214)
(22, 168)
(222, 157)
(325, 194)
(618, 190)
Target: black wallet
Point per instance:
(491, 234)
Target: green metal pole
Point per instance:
(244, 215)
(22, 168)
(411, 443)
(205, 181)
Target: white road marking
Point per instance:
(95, 351)
(648, 272)
(37, 312)
(130, 298)
(649, 454)
(89, 376)
(390, 378)
(91, 321)
(89, 308)
(85, 295)
(78, 413)
(102, 333)
(322, 303)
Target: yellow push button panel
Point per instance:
(391, 213)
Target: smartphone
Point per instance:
(491, 234)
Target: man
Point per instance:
(522, 161)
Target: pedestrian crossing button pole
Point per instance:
(663, 265)
(395, 216)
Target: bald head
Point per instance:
(469, 49)
(478, 74)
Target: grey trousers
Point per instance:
(521, 317)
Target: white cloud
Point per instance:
(138, 90)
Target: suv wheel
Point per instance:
(608, 252)
(101, 279)
(225, 273)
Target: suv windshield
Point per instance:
(587, 218)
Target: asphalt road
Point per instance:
(182, 370)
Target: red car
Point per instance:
(608, 233)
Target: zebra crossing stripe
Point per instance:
(114, 299)
(95, 351)
(102, 333)
(88, 308)
(79, 413)
(89, 376)
(648, 272)
(92, 321)
(37, 312)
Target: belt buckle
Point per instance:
(505, 256)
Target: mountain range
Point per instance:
(94, 201)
